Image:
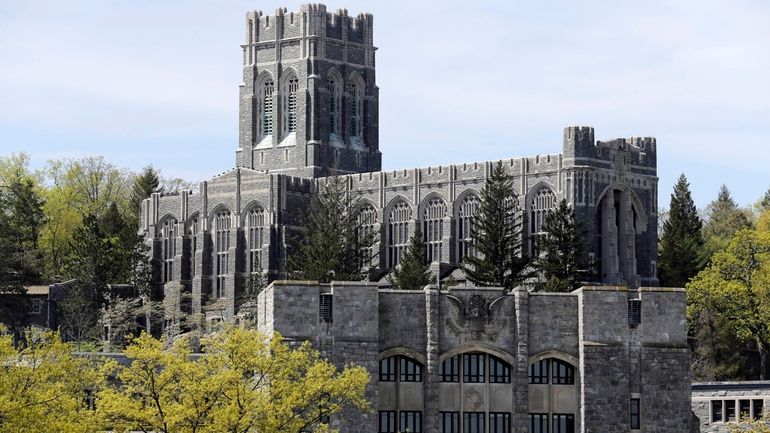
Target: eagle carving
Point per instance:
(476, 315)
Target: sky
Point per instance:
(156, 82)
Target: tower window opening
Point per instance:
(256, 227)
(334, 106)
(355, 108)
(465, 217)
(398, 232)
(267, 107)
(222, 248)
(433, 229)
(290, 104)
(168, 247)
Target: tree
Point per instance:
(736, 287)
(330, 244)
(725, 219)
(145, 183)
(561, 251)
(412, 273)
(44, 387)
(750, 426)
(242, 384)
(681, 252)
(496, 234)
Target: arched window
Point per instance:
(405, 370)
(466, 214)
(255, 226)
(367, 218)
(290, 90)
(549, 381)
(398, 232)
(168, 249)
(266, 107)
(477, 369)
(541, 202)
(193, 234)
(222, 249)
(355, 111)
(433, 228)
(333, 86)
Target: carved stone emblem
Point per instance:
(476, 315)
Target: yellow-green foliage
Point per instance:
(242, 383)
(43, 387)
(750, 427)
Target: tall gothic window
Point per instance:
(332, 85)
(367, 218)
(266, 107)
(193, 234)
(433, 228)
(290, 104)
(465, 216)
(398, 232)
(541, 202)
(255, 228)
(355, 111)
(222, 248)
(168, 249)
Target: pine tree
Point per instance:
(412, 273)
(561, 251)
(496, 235)
(681, 244)
(724, 220)
(329, 246)
(145, 183)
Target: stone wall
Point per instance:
(708, 396)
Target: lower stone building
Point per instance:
(720, 405)
(477, 360)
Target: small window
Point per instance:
(37, 306)
(730, 410)
(634, 312)
(635, 414)
(563, 373)
(473, 422)
(563, 423)
(758, 408)
(410, 370)
(744, 409)
(450, 369)
(450, 422)
(716, 411)
(538, 372)
(499, 370)
(473, 368)
(411, 422)
(388, 369)
(387, 421)
(499, 422)
(538, 423)
(325, 307)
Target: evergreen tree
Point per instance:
(145, 183)
(681, 243)
(412, 273)
(725, 219)
(764, 202)
(92, 259)
(561, 251)
(330, 244)
(496, 234)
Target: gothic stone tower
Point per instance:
(308, 101)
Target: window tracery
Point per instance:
(222, 223)
(433, 228)
(255, 226)
(398, 232)
(168, 249)
(466, 215)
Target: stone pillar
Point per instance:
(609, 239)
(520, 369)
(627, 240)
(432, 352)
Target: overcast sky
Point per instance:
(148, 81)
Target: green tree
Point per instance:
(561, 252)
(242, 384)
(680, 250)
(145, 183)
(736, 287)
(13, 305)
(330, 244)
(43, 385)
(496, 235)
(412, 273)
(725, 219)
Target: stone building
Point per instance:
(720, 405)
(607, 358)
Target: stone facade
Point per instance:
(601, 359)
(608, 362)
(718, 405)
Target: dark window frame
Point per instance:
(473, 368)
(538, 422)
(556, 423)
(450, 369)
(474, 422)
(405, 416)
(449, 422)
(499, 370)
(538, 372)
(390, 422)
(562, 372)
(504, 427)
(635, 413)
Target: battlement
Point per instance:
(579, 143)
(313, 18)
